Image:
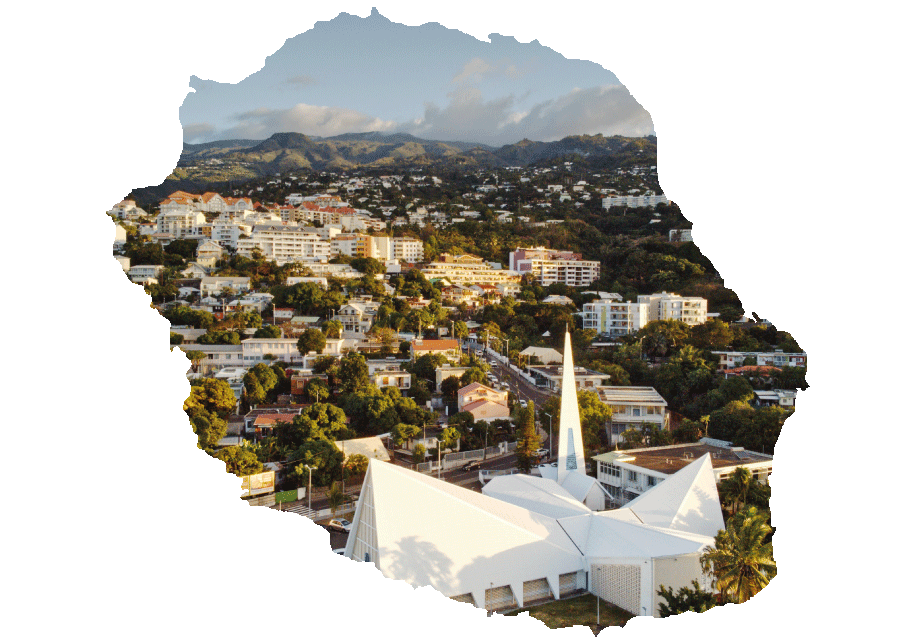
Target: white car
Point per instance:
(340, 551)
(340, 525)
(541, 453)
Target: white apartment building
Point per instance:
(665, 306)
(734, 359)
(555, 266)
(180, 223)
(357, 315)
(351, 245)
(649, 200)
(628, 474)
(321, 281)
(614, 318)
(633, 406)
(213, 286)
(144, 274)
(286, 243)
(468, 269)
(227, 233)
(256, 350)
(388, 372)
(680, 235)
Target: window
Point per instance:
(615, 471)
(651, 481)
(631, 476)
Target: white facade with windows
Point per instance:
(285, 243)
(614, 318)
(734, 359)
(634, 201)
(631, 473)
(180, 223)
(668, 306)
(555, 266)
(633, 407)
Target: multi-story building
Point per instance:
(213, 286)
(357, 315)
(552, 377)
(144, 273)
(648, 200)
(668, 306)
(468, 269)
(351, 245)
(632, 407)
(227, 233)
(614, 318)
(128, 210)
(286, 243)
(180, 223)
(628, 474)
(779, 359)
(388, 372)
(555, 266)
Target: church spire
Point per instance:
(571, 454)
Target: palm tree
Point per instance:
(735, 488)
(741, 562)
(335, 497)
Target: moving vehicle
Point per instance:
(340, 525)
(541, 453)
(471, 466)
(340, 551)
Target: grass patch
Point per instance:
(581, 610)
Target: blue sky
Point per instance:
(353, 74)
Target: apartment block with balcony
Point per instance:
(385, 372)
(285, 243)
(668, 306)
(468, 269)
(180, 223)
(614, 318)
(555, 266)
(633, 407)
(649, 200)
(256, 350)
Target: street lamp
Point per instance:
(550, 437)
(439, 458)
(310, 486)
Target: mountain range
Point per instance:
(218, 164)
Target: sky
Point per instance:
(353, 74)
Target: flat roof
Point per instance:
(624, 394)
(668, 460)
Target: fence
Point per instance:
(486, 476)
(268, 500)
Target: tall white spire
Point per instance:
(571, 454)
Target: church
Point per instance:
(529, 538)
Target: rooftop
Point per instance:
(623, 394)
(668, 460)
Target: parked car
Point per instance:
(541, 453)
(340, 551)
(471, 466)
(340, 525)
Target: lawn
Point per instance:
(581, 610)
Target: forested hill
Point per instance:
(290, 151)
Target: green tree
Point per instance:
(401, 433)
(175, 339)
(685, 600)
(354, 374)
(450, 386)
(419, 453)
(741, 560)
(268, 332)
(527, 441)
(311, 341)
(317, 391)
(195, 357)
(332, 328)
(240, 460)
(209, 427)
(212, 395)
(335, 497)
(735, 489)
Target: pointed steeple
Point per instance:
(571, 454)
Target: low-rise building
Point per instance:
(450, 348)
(552, 377)
(628, 474)
(733, 359)
(632, 408)
(483, 402)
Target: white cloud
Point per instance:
(197, 131)
(313, 120)
(477, 70)
(304, 81)
(607, 110)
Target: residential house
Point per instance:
(450, 348)
(632, 408)
(483, 402)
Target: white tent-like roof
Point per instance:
(536, 494)
(687, 501)
(525, 534)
